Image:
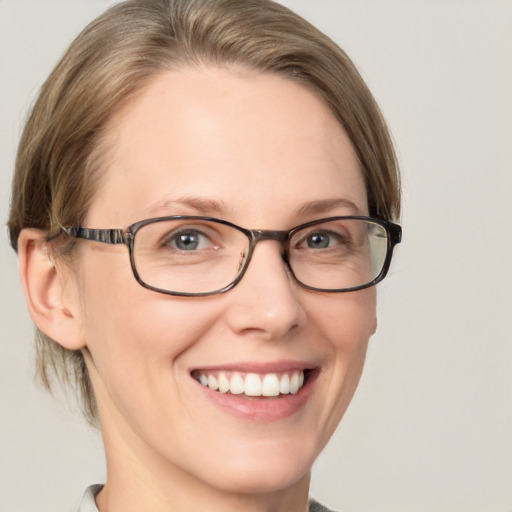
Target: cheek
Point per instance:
(347, 321)
(355, 326)
(130, 330)
(138, 340)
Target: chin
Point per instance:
(260, 471)
(268, 480)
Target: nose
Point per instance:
(265, 301)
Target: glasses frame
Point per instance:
(126, 236)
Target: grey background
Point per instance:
(430, 428)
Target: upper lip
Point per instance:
(258, 367)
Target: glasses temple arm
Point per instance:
(105, 236)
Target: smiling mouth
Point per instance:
(253, 384)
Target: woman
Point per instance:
(202, 205)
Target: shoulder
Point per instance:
(314, 506)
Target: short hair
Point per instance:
(60, 154)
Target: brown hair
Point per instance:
(116, 56)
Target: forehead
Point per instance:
(249, 142)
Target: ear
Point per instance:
(50, 290)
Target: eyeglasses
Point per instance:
(196, 256)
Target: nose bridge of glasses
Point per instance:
(260, 235)
(266, 234)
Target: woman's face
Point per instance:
(262, 152)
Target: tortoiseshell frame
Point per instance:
(126, 236)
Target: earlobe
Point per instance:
(48, 291)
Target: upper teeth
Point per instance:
(253, 384)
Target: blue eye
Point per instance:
(323, 240)
(190, 240)
(318, 240)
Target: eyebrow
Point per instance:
(327, 205)
(212, 207)
(198, 205)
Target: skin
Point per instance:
(253, 149)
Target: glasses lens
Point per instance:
(189, 255)
(338, 254)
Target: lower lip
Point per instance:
(262, 409)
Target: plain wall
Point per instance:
(430, 428)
